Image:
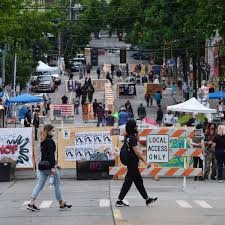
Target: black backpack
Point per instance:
(125, 152)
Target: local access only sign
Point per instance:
(157, 148)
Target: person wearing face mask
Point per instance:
(47, 168)
(133, 173)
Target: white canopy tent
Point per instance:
(191, 106)
(42, 67)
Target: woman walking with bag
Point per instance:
(132, 161)
(47, 168)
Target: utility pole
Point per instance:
(14, 76)
(4, 51)
(199, 68)
(59, 44)
(70, 10)
(194, 76)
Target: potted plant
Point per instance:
(7, 169)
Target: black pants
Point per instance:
(220, 158)
(36, 133)
(198, 163)
(133, 175)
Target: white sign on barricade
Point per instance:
(87, 143)
(158, 148)
(16, 144)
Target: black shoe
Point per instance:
(206, 177)
(150, 200)
(65, 206)
(196, 178)
(120, 203)
(33, 208)
(213, 178)
(201, 179)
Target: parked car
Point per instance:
(140, 56)
(54, 74)
(44, 83)
(80, 57)
(75, 66)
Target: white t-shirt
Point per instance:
(169, 119)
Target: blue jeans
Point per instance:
(44, 174)
(100, 120)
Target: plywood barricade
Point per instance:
(99, 85)
(71, 85)
(134, 69)
(87, 112)
(109, 98)
(179, 149)
(62, 111)
(125, 89)
(79, 143)
(151, 89)
(17, 144)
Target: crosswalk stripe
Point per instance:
(104, 203)
(45, 204)
(183, 204)
(203, 204)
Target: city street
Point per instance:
(96, 95)
(94, 203)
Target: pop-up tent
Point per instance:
(191, 106)
(25, 98)
(217, 95)
(42, 67)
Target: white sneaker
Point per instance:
(220, 181)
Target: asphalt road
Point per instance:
(112, 58)
(94, 203)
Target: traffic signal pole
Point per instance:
(14, 75)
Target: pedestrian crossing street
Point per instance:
(105, 203)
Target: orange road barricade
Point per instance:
(161, 146)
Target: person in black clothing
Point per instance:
(219, 147)
(110, 119)
(144, 79)
(84, 94)
(90, 92)
(95, 108)
(98, 72)
(112, 70)
(133, 173)
(141, 111)
(159, 117)
(36, 122)
(109, 78)
(197, 143)
(27, 118)
(64, 99)
(48, 149)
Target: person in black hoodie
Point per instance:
(133, 173)
(48, 149)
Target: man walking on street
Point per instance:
(95, 108)
(36, 123)
(98, 73)
(100, 115)
(141, 111)
(133, 173)
(159, 117)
